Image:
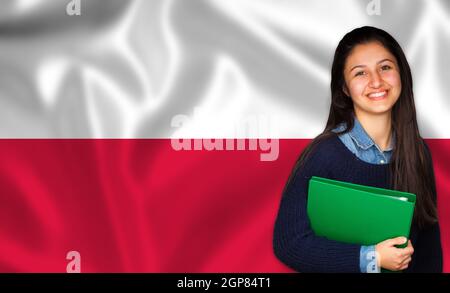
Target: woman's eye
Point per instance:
(385, 67)
(359, 73)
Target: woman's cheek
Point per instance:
(393, 79)
(357, 87)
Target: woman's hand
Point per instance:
(392, 258)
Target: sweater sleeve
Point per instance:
(295, 243)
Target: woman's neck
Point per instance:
(378, 127)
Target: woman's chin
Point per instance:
(375, 110)
(380, 110)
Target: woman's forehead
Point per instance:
(369, 53)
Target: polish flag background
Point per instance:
(108, 121)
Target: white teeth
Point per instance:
(377, 95)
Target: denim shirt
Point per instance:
(361, 144)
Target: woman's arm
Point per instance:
(295, 243)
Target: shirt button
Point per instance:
(382, 161)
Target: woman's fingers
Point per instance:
(410, 246)
(409, 250)
(405, 264)
(407, 260)
(404, 267)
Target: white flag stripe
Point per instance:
(200, 68)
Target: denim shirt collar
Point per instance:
(362, 139)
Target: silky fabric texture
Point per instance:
(89, 106)
(124, 68)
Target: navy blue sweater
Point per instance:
(297, 246)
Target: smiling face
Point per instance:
(372, 79)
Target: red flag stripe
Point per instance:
(139, 206)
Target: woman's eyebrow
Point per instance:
(357, 67)
(381, 61)
(386, 59)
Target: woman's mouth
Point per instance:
(378, 95)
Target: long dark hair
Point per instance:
(410, 163)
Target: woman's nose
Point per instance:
(375, 80)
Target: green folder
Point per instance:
(358, 214)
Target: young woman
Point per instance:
(371, 138)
